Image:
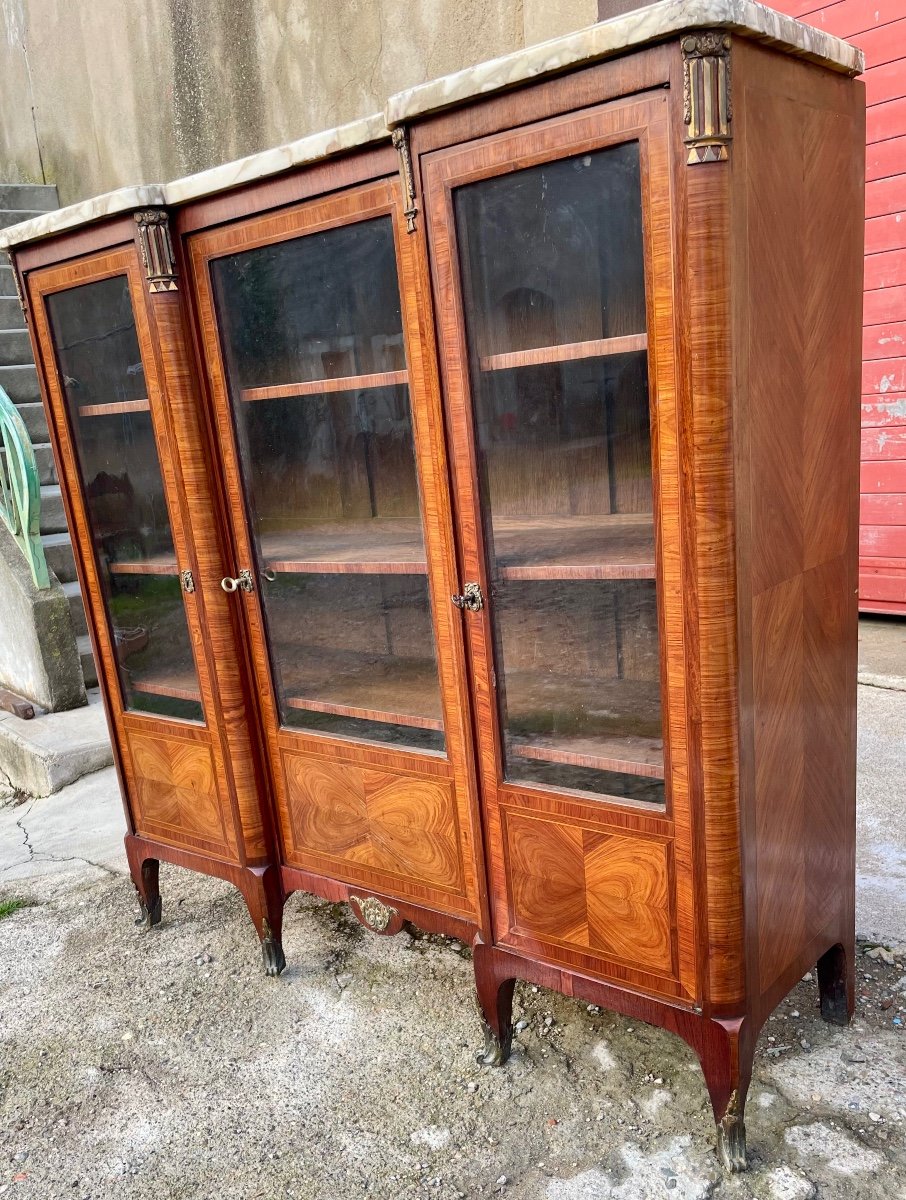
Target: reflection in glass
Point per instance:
(103, 380)
(313, 342)
(554, 287)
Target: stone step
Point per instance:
(11, 315)
(41, 197)
(7, 283)
(89, 670)
(45, 754)
(73, 593)
(15, 216)
(58, 552)
(21, 382)
(47, 472)
(35, 422)
(15, 348)
(53, 515)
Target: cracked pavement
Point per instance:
(78, 828)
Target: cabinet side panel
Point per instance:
(798, 178)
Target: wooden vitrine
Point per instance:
(468, 519)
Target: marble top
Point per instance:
(125, 199)
(315, 147)
(309, 149)
(607, 39)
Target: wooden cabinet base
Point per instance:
(725, 1046)
(261, 889)
(377, 911)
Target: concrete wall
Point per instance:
(95, 94)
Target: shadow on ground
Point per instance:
(165, 1064)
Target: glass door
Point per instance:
(330, 428)
(552, 270)
(554, 279)
(313, 344)
(105, 394)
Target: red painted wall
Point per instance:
(879, 28)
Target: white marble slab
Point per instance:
(316, 147)
(310, 149)
(618, 35)
(126, 199)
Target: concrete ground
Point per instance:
(882, 651)
(166, 1065)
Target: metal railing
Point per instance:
(20, 489)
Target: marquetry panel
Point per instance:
(175, 792)
(594, 890)
(376, 819)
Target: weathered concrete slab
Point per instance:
(882, 652)
(34, 419)
(20, 381)
(880, 826)
(15, 347)
(78, 828)
(39, 196)
(38, 655)
(165, 1064)
(42, 756)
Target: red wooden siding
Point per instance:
(879, 28)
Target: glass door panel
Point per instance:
(103, 381)
(313, 345)
(554, 292)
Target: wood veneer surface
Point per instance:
(441, 173)
(288, 748)
(797, 261)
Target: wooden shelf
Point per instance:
(390, 690)
(381, 546)
(617, 722)
(627, 755)
(179, 685)
(111, 410)
(565, 352)
(618, 546)
(318, 387)
(161, 564)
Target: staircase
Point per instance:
(19, 202)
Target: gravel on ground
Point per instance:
(164, 1064)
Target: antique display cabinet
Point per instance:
(466, 511)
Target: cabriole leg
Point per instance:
(145, 874)
(494, 990)
(264, 897)
(731, 1136)
(836, 985)
(726, 1052)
